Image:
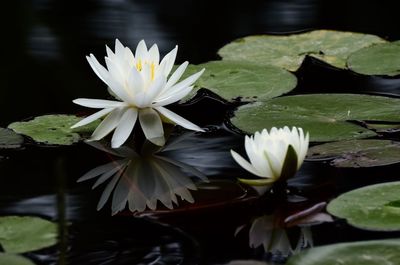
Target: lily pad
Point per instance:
(358, 153)
(289, 51)
(372, 207)
(327, 117)
(375, 252)
(379, 59)
(11, 259)
(10, 139)
(19, 234)
(53, 129)
(231, 80)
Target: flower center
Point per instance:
(139, 67)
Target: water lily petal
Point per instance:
(124, 128)
(153, 90)
(176, 75)
(135, 81)
(98, 103)
(169, 61)
(178, 119)
(107, 125)
(99, 70)
(151, 125)
(154, 54)
(172, 98)
(245, 164)
(92, 117)
(185, 83)
(115, 70)
(141, 52)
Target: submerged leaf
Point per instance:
(9, 139)
(22, 234)
(53, 129)
(358, 153)
(372, 207)
(248, 81)
(289, 51)
(12, 259)
(379, 59)
(375, 252)
(327, 117)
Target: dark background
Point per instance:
(45, 41)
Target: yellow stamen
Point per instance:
(152, 67)
(139, 65)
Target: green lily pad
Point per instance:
(53, 129)
(375, 252)
(22, 234)
(372, 207)
(379, 59)
(325, 116)
(289, 51)
(231, 80)
(11, 259)
(383, 128)
(9, 139)
(358, 153)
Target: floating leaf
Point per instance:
(289, 51)
(22, 234)
(11, 259)
(53, 129)
(372, 207)
(379, 59)
(376, 252)
(383, 128)
(358, 153)
(325, 116)
(9, 139)
(249, 81)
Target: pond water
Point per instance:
(46, 43)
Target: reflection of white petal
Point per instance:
(92, 117)
(118, 168)
(97, 171)
(178, 119)
(107, 191)
(192, 170)
(152, 126)
(124, 128)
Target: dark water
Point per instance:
(45, 69)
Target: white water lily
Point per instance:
(142, 88)
(281, 151)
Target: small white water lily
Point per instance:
(274, 155)
(142, 88)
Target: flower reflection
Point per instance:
(140, 180)
(142, 85)
(271, 231)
